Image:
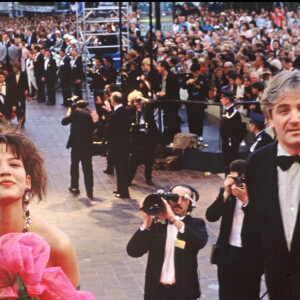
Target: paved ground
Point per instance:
(101, 229)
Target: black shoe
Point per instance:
(22, 126)
(121, 196)
(108, 172)
(115, 192)
(90, 196)
(41, 101)
(149, 182)
(74, 191)
(47, 103)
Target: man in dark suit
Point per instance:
(110, 71)
(230, 129)
(169, 91)
(5, 97)
(197, 88)
(38, 64)
(81, 142)
(172, 245)
(119, 143)
(20, 90)
(31, 38)
(144, 134)
(273, 181)
(50, 77)
(77, 73)
(257, 127)
(65, 77)
(238, 279)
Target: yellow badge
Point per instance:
(180, 244)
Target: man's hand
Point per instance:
(95, 116)
(240, 193)
(26, 93)
(78, 81)
(168, 212)
(106, 106)
(161, 94)
(43, 79)
(227, 185)
(13, 108)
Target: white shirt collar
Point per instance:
(118, 106)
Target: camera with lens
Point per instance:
(239, 180)
(153, 204)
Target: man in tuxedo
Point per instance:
(50, 77)
(257, 127)
(144, 134)
(273, 181)
(20, 90)
(65, 77)
(5, 97)
(172, 240)
(238, 279)
(38, 64)
(81, 142)
(169, 91)
(77, 73)
(119, 143)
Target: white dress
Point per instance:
(30, 74)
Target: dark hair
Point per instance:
(24, 149)
(17, 65)
(114, 88)
(238, 165)
(195, 67)
(165, 65)
(109, 59)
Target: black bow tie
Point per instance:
(285, 162)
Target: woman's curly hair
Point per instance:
(23, 148)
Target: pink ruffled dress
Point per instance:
(25, 256)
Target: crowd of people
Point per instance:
(226, 56)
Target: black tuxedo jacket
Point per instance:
(153, 241)
(50, 73)
(77, 70)
(267, 238)
(39, 66)
(18, 89)
(82, 126)
(118, 136)
(172, 92)
(5, 108)
(225, 210)
(65, 72)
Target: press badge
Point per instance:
(180, 244)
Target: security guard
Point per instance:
(257, 127)
(144, 134)
(231, 129)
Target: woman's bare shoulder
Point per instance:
(62, 252)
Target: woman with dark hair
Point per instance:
(23, 177)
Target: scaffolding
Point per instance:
(91, 21)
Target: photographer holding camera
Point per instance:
(238, 278)
(144, 134)
(83, 122)
(172, 239)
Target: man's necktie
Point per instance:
(285, 162)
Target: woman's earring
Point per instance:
(26, 211)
